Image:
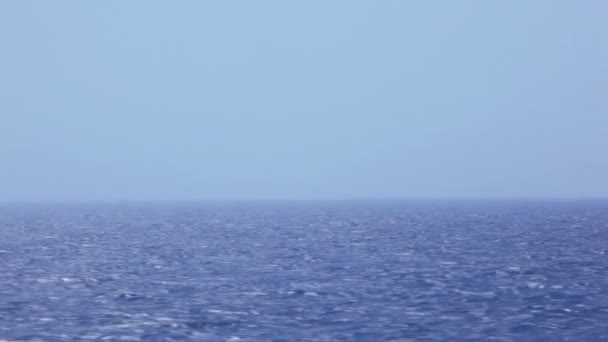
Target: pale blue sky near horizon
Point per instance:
(182, 100)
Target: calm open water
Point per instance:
(305, 271)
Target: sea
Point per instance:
(465, 270)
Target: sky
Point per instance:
(341, 99)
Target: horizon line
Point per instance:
(303, 199)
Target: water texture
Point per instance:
(305, 271)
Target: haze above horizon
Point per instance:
(189, 100)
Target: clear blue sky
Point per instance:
(133, 99)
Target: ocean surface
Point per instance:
(305, 271)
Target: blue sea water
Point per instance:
(305, 271)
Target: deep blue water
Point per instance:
(305, 271)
